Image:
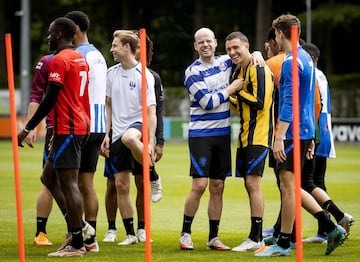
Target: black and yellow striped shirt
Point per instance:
(255, 105)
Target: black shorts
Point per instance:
(138, 169)
(120, 159)
(289, 151)
(90, 152)
(250, 160)
(66, 151)
(210, 157)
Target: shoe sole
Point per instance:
(219, 248)
(186, 248)
(346, 236)
(109, 241)
(42, 244)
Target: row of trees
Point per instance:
(171, 25)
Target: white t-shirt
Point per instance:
(123, 86)
(97, 86)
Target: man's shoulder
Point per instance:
(114, 68)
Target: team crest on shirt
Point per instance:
(222, 66)
(132, 85)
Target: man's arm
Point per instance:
(44, 108)
(31, 137)
(159, 133)
(105, 145)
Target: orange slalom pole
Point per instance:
(296, 137)
(11, 86)
(145, 140)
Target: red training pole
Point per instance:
(145, 140)
(296, 132)
(11, 86)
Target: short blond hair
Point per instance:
(128, 37)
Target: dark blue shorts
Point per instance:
(210, 157)
(66, 151)
(250, 160)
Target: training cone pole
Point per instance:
(145, 140)
(296, 137)
(11, 86)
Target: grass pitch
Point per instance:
(342, 179)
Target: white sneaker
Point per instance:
(216, 244)
(156, 190)
(322, 239)
(346, 222)
(248, 245)
(110, 236)
(141, 235)
(88, 231)
(185, 242)
(68, 251)
(129, 240)
(92, 247)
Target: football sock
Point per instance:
(214, 228)
(186, 227)
(153, 174)
(77, 238)
(141, 224)
(112, 225)
(129, 226)
(256, 229)
(41, 225)
(284, 240)
(324, 219)
(333, 209)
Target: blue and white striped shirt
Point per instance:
(97, 86)
(209, 102)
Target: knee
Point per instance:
(252, 185)
(121, 188)
(217, 188)
(307, 184)
(129, 141)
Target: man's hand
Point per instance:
(105, 147)
(31, 138)
(159, 150)
(311, 151)
(258, 59)
(21, 136)
(278, 151)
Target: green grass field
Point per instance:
(343, 182)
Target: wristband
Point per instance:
(27, 131)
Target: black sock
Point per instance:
(153, 174)
(77, 238)
(186, 227)
(324, 219)
(321, 230)
(93, 224)
(333, 209)
(284, 240)
(214, 228)
(256, 229)
(41, 225)
(112, 225)
(141, 224)
(129, 226)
